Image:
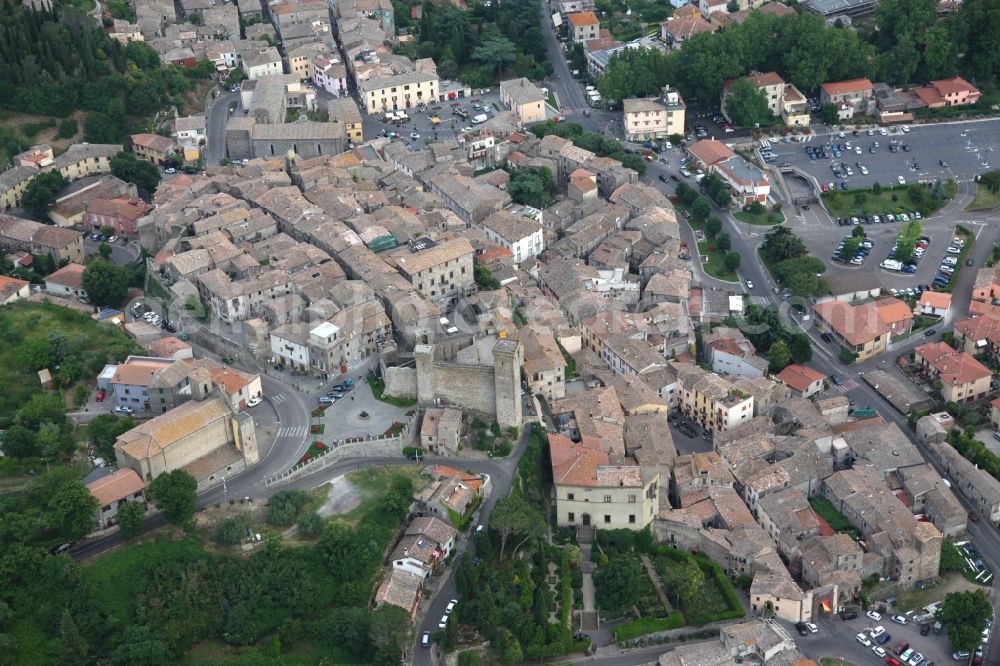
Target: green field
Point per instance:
(713, 264)
(766, 219)
(894, 199)
(30, 344)
(985, 200)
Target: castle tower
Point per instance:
(424, 357)
(508, 355)
(245, 437)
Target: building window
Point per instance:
(607, 499)
(607, 519)
(571, 517)
(631, 499)
(570, 496)
(631, 519)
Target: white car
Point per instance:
(901, 180)
(749, 284)
(414, 135)
(864, 170)
(113, 239)
(872, 615)
(444, 622)
(879, 652)
(864, 640)
(906, 130)
(916, 659)
(124, 409)
(857, 149)
(170, 170)
(877, 631)
(882, 131)
(253, 402)
(451, 606)
(812, 627)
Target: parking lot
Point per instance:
(838, 638)
(419, 119)
(966, 149)
(688, 436)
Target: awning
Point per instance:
(826, 605)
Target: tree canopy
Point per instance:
(174, 494)
(126, 166)
(747, 106)
(964, 615)
(41, 193)
(106, 284)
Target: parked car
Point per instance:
(901, 619)
(254, 401)
(124, 409)
(864, 640)
(872, 615)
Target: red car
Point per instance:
(100, 396)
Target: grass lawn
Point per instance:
(714, 265)
(552, 101)
(766, 219)
(378, 390)
(828, 512)
(842, 204)
(985, 200)
(374, 482)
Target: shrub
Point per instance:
(285, 507)
(649, 625)
(311, 525)
(230, 531)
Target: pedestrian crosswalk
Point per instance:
(293, 432)
(278, 398)
(846, 386)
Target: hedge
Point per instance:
(649, 625)
(566, 589)
(715, 571)
(624, 540)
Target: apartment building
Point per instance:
(710, 400)
(853, 97)
(544, 367)
(747, 183)
(962, 377)
(517, 233)
(399, 91)
(440, 271)
(652, 118)
(583, 27)
(35, 238)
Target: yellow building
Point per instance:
(524, 98)
(592, 491)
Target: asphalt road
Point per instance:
(122, 253)
(218, 114)
(965, 156)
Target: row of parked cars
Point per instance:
(336, 392)
(858, 258)
(878, 219)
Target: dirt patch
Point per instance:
(342, 497)
(48, 135)
(951, 582)
(214, 515)
(194, 99)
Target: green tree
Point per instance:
(858, 231)
(104, 250)
(129, 168)
(732, 261)
(682, 580)
(527, 187)
(723, 242)
(70, 510)
(851, 246)
(781, 243)
(174, 494)
(67, 129)
(700, 209)
(847, 356)
(876, 188)
(285, 506)
(778, 357)
(800, 348)
(713, 226)
(389, 633)
(964, 615)
(311, 525)
(41, 193)
(129, 519)
(746, 105)
(103, 430)
(105, 283)
(511, 516)
(688, 194)
(230, 531)
(74, 647)
(497, 52)
(141, 645)
(100, 127)
(484, 278)
(619, 584)
(830, 114)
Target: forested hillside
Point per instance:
(54, 62)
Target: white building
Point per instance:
(521, 235)
(262, 63)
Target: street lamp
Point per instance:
(225, 492)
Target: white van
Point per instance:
(481, 118)
(892, 265)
